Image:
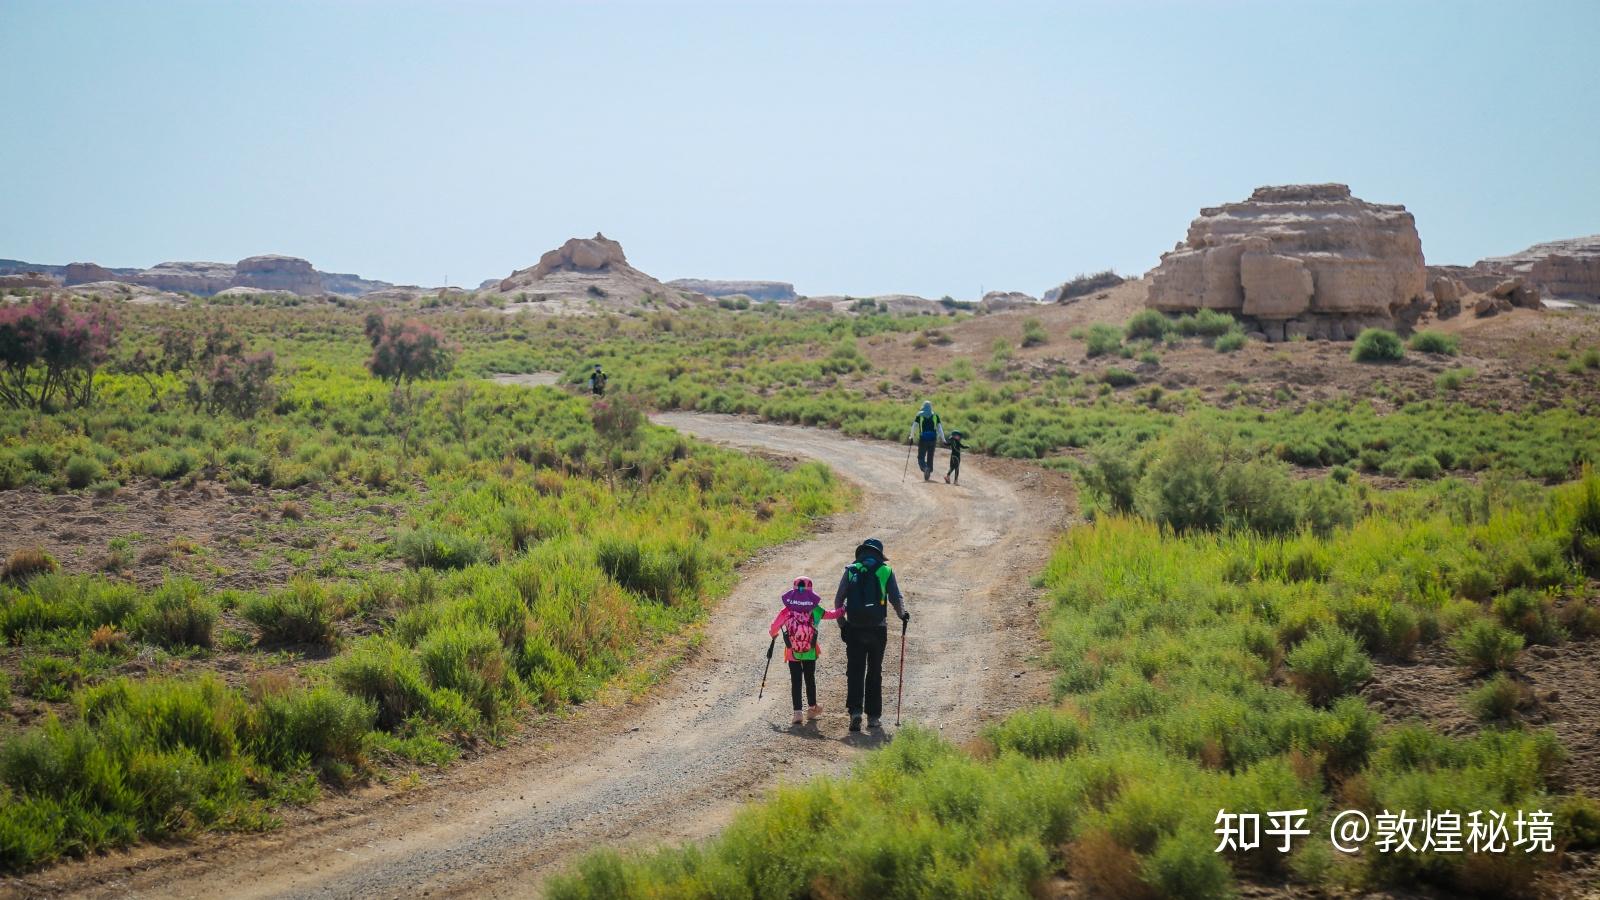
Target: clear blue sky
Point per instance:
(847, 147)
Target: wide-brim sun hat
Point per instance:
(871, 546)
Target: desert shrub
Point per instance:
(1205, 323)
(1496, 700)
(387, 674)
(82, 471)
(1118, 377)
(1435, 342)
(407, 351)
(1529, 612)
(1087, 283)
(1328, 664)
(470, 661)
(27, 562)
(1423, 465)
(1033, 333)
(1102, 339)
(1112, 480)
(1195, 482)
(323, 724)
(1578, 819)
(50, 352)
(302, 614)
(1040, 733)
(1147, 324)
(1377, 345)
(1453, 379)
(176, 614)
(1229, 342)
(1483, 646)
(438, 548)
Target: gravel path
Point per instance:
(676, 764)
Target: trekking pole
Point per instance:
(907, 469)
(768, 667)
(900, 689)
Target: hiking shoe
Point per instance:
(947, 479)
(797, 717)
(814, 713)
(855, 723)
(874, 722)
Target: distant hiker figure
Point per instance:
(927, 431)
(597, 381)
(955, 445)
(866, 591)
(802, 611)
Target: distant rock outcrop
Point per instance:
(1082, 286)
(263, 273)
(28, 280)
(893, 304)
(586, 273)
(998, 301)
(1566, 270)
(778, 291)
(1298, 260)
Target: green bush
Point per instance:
(437, 548)
(1496, 700)
(1229, 342)
(1041, 733)
(1147, 324)
(470, 661)
(1033, 333)
(1435, 342)
(1328, 664)
(1377, 345)
(1205, 323)
(1578, 819)
(1118, 377)
(1102, 339)
(1530, 613)
(388, 675)
(1483, 646)
(322, 724)
(303, 614)
(176, 614)
(1423, 465)
(82, 471)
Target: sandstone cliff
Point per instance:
(1298, 260)
(1567, 270)
(779, 291)
(590, 274)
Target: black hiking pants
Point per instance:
(863, 669)
(925, 456)
(955, 466)
(803, 670)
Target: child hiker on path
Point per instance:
(802, 611)
(955, 445)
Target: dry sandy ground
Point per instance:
(676, 765)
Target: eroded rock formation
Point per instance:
(780, 291)
(998, 301)
(1294, 260)
(263, 273)
(1566, 270)
(588, 273)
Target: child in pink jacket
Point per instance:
(798, 620)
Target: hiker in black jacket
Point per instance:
(866, 591)
(954, 442)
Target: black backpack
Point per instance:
(929, 425)
(864, 602)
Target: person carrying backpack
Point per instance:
(802, 612)
(597, 381)
(955, 445)
(927, 431)
(866, 591)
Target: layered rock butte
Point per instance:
(585, 273)
(778, 291)
(1568, 269)
(1306, 259)
(258, 273)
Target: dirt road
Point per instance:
(676, 764)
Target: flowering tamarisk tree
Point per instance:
(50, 352)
